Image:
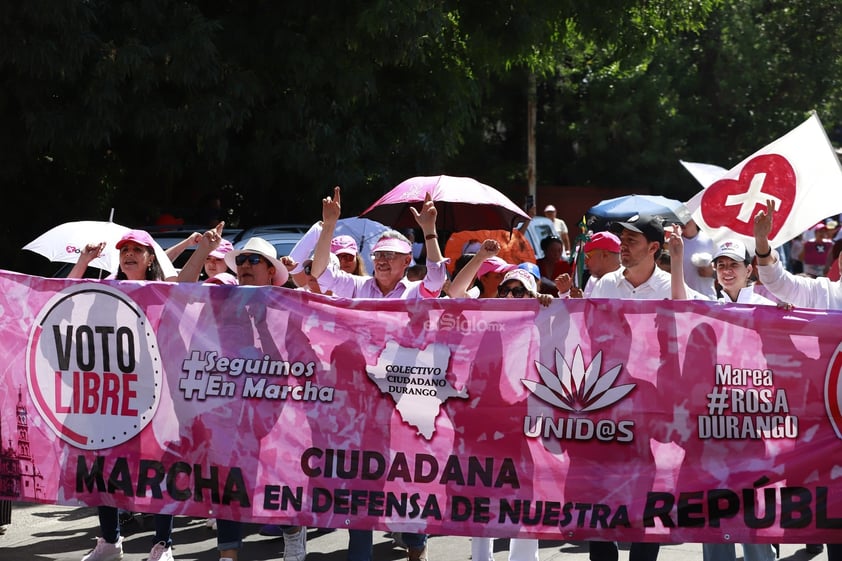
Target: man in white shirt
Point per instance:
(641, 240)
(602, 256)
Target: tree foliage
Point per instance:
(151, 106)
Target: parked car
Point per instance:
(283, 240)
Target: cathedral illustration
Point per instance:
(19, 476)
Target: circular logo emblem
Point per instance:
(93, 366)
(833, 390)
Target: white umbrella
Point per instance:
(65, 242)
(365, 232)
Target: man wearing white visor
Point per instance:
(391, 255)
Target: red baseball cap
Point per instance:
(603, 240)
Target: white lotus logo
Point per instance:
(576, 388)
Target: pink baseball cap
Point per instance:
(392, 244)
(343, 244)
(494, 265)
(603, 240)
(223, 248)
(141, 237)
(223, 278)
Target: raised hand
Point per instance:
(763, 221)
(675, 245)
(563, 283)
(91, 252)
(332, 206)
(427, 217)
(489, 248)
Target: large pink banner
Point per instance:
(637, 421)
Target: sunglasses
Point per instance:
(308, 269)
(252, 258)
(517, 291)
(384, 255)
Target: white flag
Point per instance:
(705, 174)
(799, 171)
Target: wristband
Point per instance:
(431, 236)
(763, 255)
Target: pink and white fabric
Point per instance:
(800, 172)
(588, 419)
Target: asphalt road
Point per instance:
(56, 533)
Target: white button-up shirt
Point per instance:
(804, 292)
(614, 285)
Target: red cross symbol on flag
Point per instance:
(799, 172)
(732, 203)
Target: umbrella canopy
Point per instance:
(462, 204)
(65, 242)
(364, 231)
(620, 208)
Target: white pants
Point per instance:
(520, 549)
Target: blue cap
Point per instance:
(531, 268)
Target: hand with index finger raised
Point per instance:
(427, 217)
(332, 207)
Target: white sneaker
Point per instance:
(160, 552)
(105, 551)
(295, 545)
(225, 559)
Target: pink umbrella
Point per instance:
(462, 204)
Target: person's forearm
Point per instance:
(321, 254)
(431, 242)
(175, 251)
(193, 268)
(465, 277)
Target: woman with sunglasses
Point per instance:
(345, 249)
(513, 283)
(525, 287)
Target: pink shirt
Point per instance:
(352, 286)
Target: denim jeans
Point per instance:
(834, 552)
(109, 524)
(728, 552)
(607, 551)
(229, 534)
(360, 543)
